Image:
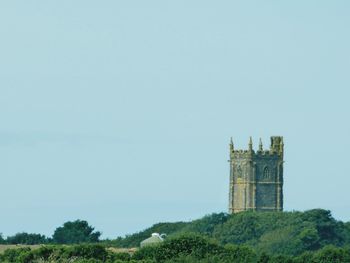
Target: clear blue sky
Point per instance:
(120, 112)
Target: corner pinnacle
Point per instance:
(250, 144)
(231, 145)
(260, 145)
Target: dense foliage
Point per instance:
(75, 232)
(135, 239)
(2, 240)
(287, 233)
(296, 237)
(27, 239)
(181, 249)
(56, 253)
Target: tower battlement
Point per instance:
(256, 177)
(246, 153)
(276, 148)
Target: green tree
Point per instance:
(17, 255)
(191, 244)
(280, 241)
(310, 239)
(329, 230)
(237, 254)
(331, 254)
(347, 232)
(87, 251)
(286, 233)
(75, 232)
(207, 224)
(26, 239)
(2, 240)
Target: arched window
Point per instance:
(239, 171)
(266, 172)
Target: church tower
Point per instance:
(256, 178)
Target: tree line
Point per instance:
(286, 233)
(185, 248)
(309, 236)
(72, 232)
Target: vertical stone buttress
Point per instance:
(256, 178)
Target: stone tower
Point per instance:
(256, 178)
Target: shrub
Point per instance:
(145, 253)
(75, 232)
(192, 244)
(86, 251)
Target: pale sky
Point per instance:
(120, 112)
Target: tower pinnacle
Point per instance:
(260, 145)
(250, 144)
(231, 145)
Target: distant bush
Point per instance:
(20, 255)
(75, 232)
(54, 253)
(26, 239)
(122, 256)
(194, 245)
(145, 253)
(192, 248)
(2, 240)
(86, 252)
(181, 249)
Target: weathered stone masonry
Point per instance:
(256, 178)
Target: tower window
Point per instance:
(266, 172)
(239, 172)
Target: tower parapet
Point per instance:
(256, 178)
